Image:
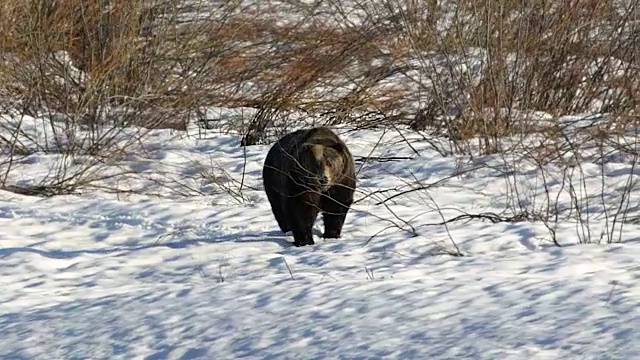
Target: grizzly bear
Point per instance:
(306, 172)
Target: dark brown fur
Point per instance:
(306, 172)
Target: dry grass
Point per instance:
(561, 58)
(467, 70)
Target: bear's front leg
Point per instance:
(335, 206)
(302, 211)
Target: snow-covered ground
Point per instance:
(105, 275)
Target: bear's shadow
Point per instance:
(274, 236)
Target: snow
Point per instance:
(200, 270)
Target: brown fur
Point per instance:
(307, 172)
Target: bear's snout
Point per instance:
(321, 181)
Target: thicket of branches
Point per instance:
(97, 74)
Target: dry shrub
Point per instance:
(454, 59)
(96, 76)
(559, 57)
(468, 70)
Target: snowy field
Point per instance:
(104, 275)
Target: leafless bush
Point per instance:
(485, 64)
(89, 79)
(477, 70)
(496, 76)
(587, 172)
(468, 69)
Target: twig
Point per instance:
(220, 275)
(288, 268)
(369, 273)
(428, 186)
(613, 286)
(381, 158)
(494, 218)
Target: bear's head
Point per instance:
(321, 165)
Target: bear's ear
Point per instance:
(338, 146)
